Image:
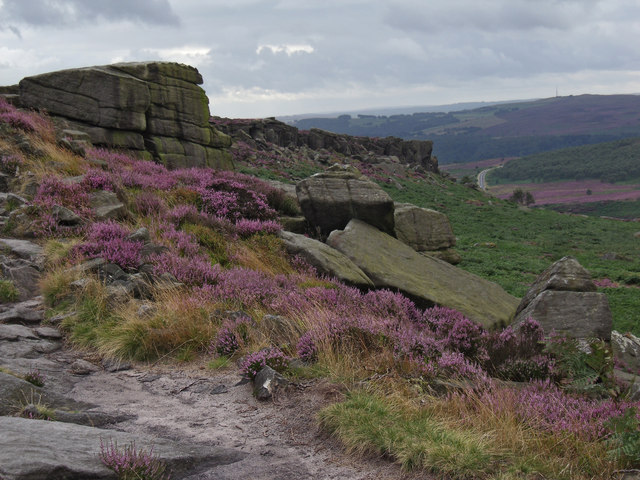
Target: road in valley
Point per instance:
(482, 182)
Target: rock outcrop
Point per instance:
(150, 106)
(260, 132)
(389, 263)
(332, 198)
(564, 299)
(325, 259)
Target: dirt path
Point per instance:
(280, 436)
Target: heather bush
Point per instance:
(96, 179)
(110, 241)
(232, 336)
(131, 463)
(246, 228)
(28, 122)
(149, 204)
(271, 357)
(306, 348)
(178, 241)
(11, 163)
(196, 270)
(35, 377)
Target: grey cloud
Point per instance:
(490, 16)
(13, 30)
(69, 12)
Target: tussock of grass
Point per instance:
(367, 425)
(56, 285)
(264, 253)
(8, 291)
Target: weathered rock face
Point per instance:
(563, 299)
(425, 230)
(330, 199)
(325, 259)
(389, 263)
(414, 152)
(157, 106)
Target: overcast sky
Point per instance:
(278, 57)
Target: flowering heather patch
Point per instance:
(35, 377)
(131, 463)
(179, 241)
(271, 357)
(571, 192)
(235, 200)
(11, 163)
(232, 336)
(246, 228)
(26, 121)
(109, 241)
(196, 270)
(53, 191)
(306, 348)
(605, 283)
(96, 179)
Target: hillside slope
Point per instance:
(503, 130)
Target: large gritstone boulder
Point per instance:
(153, 106)
(389, 263)
(563, 299)
(330, 199)
(426, 231)
(325, 260)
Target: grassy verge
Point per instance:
(461, 436)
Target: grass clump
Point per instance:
(368, 424)
(8, 291)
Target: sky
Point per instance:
(263, 58)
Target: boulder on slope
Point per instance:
(325, 259)
(566, 274)
(389, 263)
(423, 229)
(330, 199)
(564, 299)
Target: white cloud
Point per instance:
(288, 49)
(191, 55)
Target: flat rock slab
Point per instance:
(15, 393)
(23, 312)
(12, 333)
(325, 259)
(23, 248)
(389, 263)
(573, 314)
(31, 449)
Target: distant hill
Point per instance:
(617, 161)
(502, 130)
